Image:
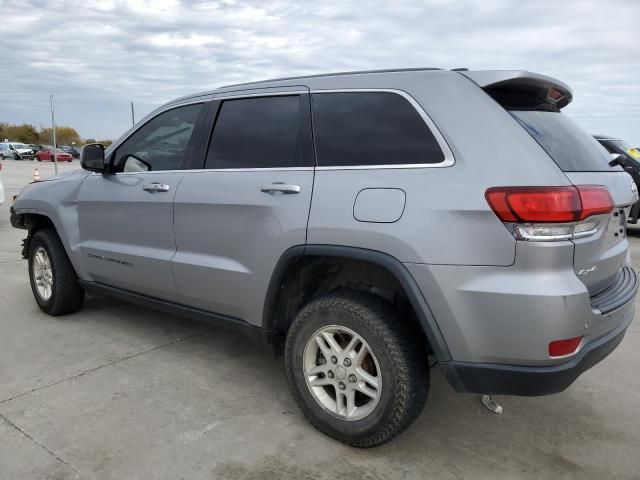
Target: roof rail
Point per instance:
(355, 72)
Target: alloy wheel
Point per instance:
(342, 372)
(42, 273)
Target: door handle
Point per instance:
(279, 187)
(156, 187)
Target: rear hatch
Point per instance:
(535, 102)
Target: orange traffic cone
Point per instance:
(36, 174)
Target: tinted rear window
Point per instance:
(573, 149)
(258, 133)
(371, 128)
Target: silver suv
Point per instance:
(367, 226)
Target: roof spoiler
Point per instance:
(546, 90)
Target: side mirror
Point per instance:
(92, 157)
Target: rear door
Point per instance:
(248, 205)
(126, 218)
(597, 258)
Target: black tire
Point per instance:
(403, 365)
(66, 294)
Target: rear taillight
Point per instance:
(596, 200)
(551, 213)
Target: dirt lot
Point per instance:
(119, 392)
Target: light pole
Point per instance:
(53, 130)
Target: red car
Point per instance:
(45, 155)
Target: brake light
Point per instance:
(535, 204)
(551, 213)
(596, 200)
(560, 348)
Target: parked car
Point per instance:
(70, 150)
(1, 186)
(15, 150)
(46, 155)
(458, 219)
(627, 157)
(35, 148)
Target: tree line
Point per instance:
(27, 133)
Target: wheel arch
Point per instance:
(32, 222)
(287, 275)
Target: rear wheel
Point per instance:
(354, 368)
(53, 280)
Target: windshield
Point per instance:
(573, 149)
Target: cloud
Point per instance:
(95, 56)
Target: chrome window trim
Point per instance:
(200, 170)
(449, 159)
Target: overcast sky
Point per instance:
(96, 56)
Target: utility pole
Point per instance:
(133, 117)
(53, 131)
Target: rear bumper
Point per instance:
(495, 379)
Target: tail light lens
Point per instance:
(551, 213)
(596, 200)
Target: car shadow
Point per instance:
(455, 433)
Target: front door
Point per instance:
(234, 219)
(126, 217)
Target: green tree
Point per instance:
(29, 134)
(64, 135)
(24, 133)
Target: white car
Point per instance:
(16, 150)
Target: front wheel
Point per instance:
(53, 280)
(355, 369)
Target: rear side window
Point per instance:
(371, 128)
(264, 132)
(573, 149)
